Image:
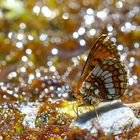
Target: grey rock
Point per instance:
(112, 117)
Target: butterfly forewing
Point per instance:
(103, 48)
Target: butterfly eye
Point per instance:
(104, 77)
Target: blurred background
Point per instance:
(44, 44)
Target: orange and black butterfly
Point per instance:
(104, 77)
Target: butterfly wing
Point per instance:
(107, 81)
(103, 48)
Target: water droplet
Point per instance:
(81, 31)
(75, 35)
(120, 47)
(82, 42)
(54, 51)
(36, 9)
(24, 58)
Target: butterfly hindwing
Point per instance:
(107, 81)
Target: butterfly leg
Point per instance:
(77, 109)
(97, 116)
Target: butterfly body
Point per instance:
(104, 77)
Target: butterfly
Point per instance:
(104, 76)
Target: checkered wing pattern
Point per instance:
(104, 77)
(103, 48)
(107, 81)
